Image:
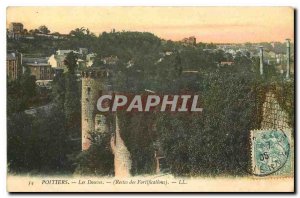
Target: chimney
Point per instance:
(288, 46)
(261, 60)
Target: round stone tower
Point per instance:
(95, 82)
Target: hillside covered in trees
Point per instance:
(213, 142)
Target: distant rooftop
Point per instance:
(27, 60)
(38, 64)
(190, 71)
(11, 56)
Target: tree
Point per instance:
(56, 33)
(58, 91)
(71, 62)
(72, 106)
(20, 92)
(38, 144)
(137, 132)
(98, 159)
(79, 32)
(34, 31)
(28, 85)
(25, 31)
(44, 29)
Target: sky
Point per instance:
(207, 24)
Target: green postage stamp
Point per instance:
(271, 151)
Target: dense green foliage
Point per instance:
(213, 142)
(48, 140)
(216, 140)
(98, 159)
(21, 93)
(72, 96)
(137, 132)
(38, 145)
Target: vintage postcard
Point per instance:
(150, 99)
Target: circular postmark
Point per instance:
(270, 151)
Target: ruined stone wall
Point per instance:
(274, 117)
(122, 157)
